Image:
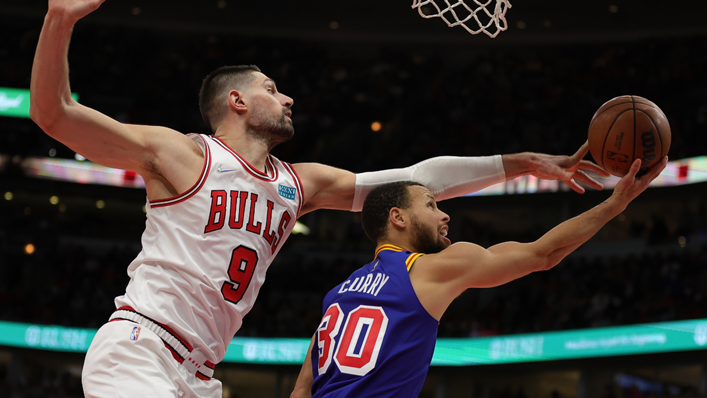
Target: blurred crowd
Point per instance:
(587, 292)
(72, 280)
(430, 100)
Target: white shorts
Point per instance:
(122, 363)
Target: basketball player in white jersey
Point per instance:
(219, 208)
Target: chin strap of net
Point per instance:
(476, 14)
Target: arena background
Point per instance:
(64, 246)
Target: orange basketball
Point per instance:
(626, 128)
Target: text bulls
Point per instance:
(233, 208)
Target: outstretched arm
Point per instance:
(147, 150)
(466, 265)
(446, 176)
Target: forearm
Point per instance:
(568, 236)
(445, 176)
(49, 88)
(303, 385)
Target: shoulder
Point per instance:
(174, 153)
(165, 140)
(450, 262)
(325, 186)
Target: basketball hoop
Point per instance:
(477, 14)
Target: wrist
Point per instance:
(518, 164)
(615, 205)
(59, 17)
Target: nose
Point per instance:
(287, 101)
(445, 216)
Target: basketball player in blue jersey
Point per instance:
(378, 332)
(219, 208)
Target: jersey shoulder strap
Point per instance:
(398, 253)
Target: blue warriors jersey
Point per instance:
(375, 338)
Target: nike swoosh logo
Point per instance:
(220, 170)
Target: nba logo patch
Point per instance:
(135, 333)
(286, 192)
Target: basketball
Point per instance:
(626, 128)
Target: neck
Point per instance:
(401, 243)
(250, 146)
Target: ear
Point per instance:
(236, 102)
(397, 218)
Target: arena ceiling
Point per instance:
(394, 20)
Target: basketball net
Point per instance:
(475, 18)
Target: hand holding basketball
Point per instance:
(628, 128)
(630, 187)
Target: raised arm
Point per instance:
(440, 278)
(147, 150)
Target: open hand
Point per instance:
(73, 10)
(568, 169)
(629, 187)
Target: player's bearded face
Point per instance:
(270, 125)
(426, 238)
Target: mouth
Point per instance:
(443, 233)
(288, 114)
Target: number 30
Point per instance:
(347, 359)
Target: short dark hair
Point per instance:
(217, 84)
(376, 207)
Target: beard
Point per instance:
(426, 239)
(273, 130)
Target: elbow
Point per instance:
(542, 257)
(46, 120)
(550, 261)
(34, 113)
(47, 112)
(39, 117)
(547, 264)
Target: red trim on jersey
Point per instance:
(181, 360)
(298, 182)
(176, 336)
(121, 319)
(273, 171)
(175, 354)
(169, 330)
(195, 188)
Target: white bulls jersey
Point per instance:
(205, 252)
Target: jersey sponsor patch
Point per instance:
(286, 192)
(135, 333)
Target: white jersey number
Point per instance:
(360, 343)
(240, 272)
